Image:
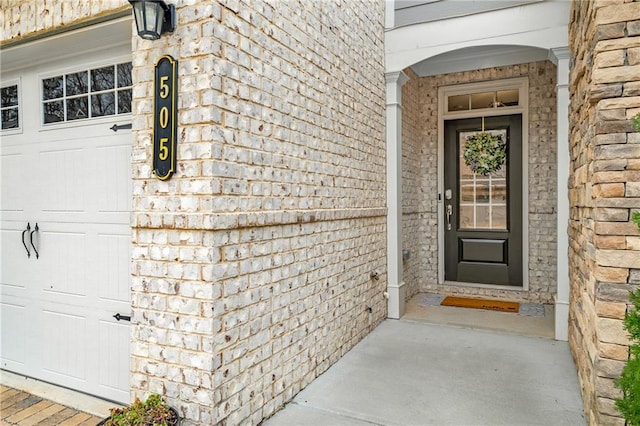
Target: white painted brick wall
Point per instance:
(276, 216)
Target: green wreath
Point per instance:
(485, 153)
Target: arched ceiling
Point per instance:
(478, 57)
(509, 33)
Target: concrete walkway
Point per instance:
(413, 373)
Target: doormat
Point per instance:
(526, 309)
(491, 305)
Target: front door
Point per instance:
(483, 213)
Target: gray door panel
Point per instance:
(484, 244)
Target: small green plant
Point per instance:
(635, 218)
(152, 412)
(629, 380)
(636, 122)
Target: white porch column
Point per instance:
(395, 284)
(560, 56)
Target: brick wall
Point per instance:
(26, 18)
(252, 265)
(605, 163)
(413, 241)
(421, 138)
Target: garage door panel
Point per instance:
(65, 173)
(64, 259)
(113, 173)
(114, 353)
(14, 261)
(112, 274)
(65, 340)
(14, 331)
(14, 169)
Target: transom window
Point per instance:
(9, 105)
(483, 100)
(81, 95)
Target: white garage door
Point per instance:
(65, 234)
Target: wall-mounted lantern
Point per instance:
(153, 17)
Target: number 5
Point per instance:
(164, 87)
(164, 149)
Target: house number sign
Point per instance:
(165, 129)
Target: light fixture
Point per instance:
(153, 17)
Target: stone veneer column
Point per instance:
(395, 286)
(604, 191)
(560, 56)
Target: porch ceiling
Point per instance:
(478, 57)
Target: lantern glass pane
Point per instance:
(138, 15)
(154, 17)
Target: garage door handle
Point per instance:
(122, 317)
(117, 127)
(23, 243)
(35, 250)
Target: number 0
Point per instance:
(164, 117)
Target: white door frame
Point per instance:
(522, 84)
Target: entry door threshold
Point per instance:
(480, 285)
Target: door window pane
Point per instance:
(482, 100)
(124, 101)
(102, 79)
(52, 88)
(86, 94)
(10, 118)
(124, 75)
(508, 97)
(77, 108)
(9, 107)
(77, 83)
(467, 217)
(458, 103)
(53, 112)
(9, 96)
(483, 199)
(103, 104)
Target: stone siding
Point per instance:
(605, 174)
(421, 138)
(252, 265)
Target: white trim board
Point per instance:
(522, 84)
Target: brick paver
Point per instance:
(23, 409)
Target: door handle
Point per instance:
(117, 127)
(35, 250)
(119, 317)
(28, 228)
(449, 213)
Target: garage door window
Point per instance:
(87, 94)
(9, 106)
